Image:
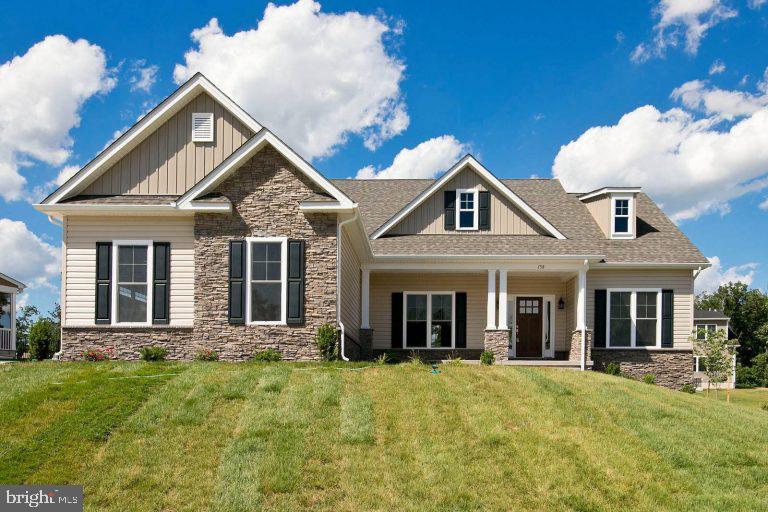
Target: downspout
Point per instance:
(339, 225)
(57, 355)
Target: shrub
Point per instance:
(454, 361)
(649, 378)
(393, 356)
(382, 359)
(746, 377)
(22, 346)
(487, 357)
(43, 337)
(269, 355)
(153, 353)
(206, 354)
(613, 369)
(760, 368)
(688, 388)
(415, 359)
(326, 339)
(97, 354)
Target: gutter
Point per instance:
(339, 225)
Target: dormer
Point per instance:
(614, 210)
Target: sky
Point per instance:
(670, 96)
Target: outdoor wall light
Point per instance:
(561, 303)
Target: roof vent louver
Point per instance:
(202, 127)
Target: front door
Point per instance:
(528, 326)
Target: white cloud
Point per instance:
(143, 76)
(756, 4)
(26, 256)
(690, 166)
(66, 173)
(717, 67)
(620, 36)
(764, 204)
(682, 20)
(711, 278)
(426, 160)
(723, 104)
(41, 93)
(313, 77)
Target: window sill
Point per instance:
(267, 323)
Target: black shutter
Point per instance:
(667, 318)
(600, 305)
(161, 283)
(484, 211)
(236, 310)
(397, 320)
(295, 288)
(461, 320)
(449, 215)
(103, 282)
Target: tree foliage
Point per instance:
(43, 336)
(715, 355)
(23, 323)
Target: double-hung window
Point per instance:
(467, 211)
(621, 215)
(703, 331)
(429, 319)
(132, 268)
(267, 272)
(633, 318)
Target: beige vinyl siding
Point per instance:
(506, 218)
(600, 208)
(680, 281)
(350, 288)
(167, 162)
(79, 276)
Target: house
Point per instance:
(199, 227)
(706, 322)
(9, 288)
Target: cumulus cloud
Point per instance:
(426, 160)
(723, 104)
(26, 256)
(717, 67)
(41, 94)
(690, 165)
(66, 173)
(682, 21)
(314, 78)
(711, 278)
(764, 204)
(143, 77)
(756, 4)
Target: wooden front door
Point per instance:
(528, 326)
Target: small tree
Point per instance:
(327, 339)
(54, 316)
(23, 323)
(715, 355)
(42, 338)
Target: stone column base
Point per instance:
(575, 353)
(497, 341)
(366, 344)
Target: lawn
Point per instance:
(234, 437)
(756, 398)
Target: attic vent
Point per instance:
(202, 127)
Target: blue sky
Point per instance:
(512, 82)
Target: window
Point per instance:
(202, 127)
(620, 220)
(266, 280)
(131, 298)
(429, 313)
(466, 213)
(6, 307)
(703, 330)
(633, 318)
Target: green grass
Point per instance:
(234, 437)
(757, 397)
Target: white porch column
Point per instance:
(365, 298)
(503, 299)
(491, 323)
(581, 299)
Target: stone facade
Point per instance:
(125, 342)
(574, 355)
(673, 368)
(497, 341)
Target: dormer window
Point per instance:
(466, 213)
(621, 217)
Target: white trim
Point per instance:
(503, 323)
(18, 283)
(244, 152)
(630, 216)
(283, 279)
(130, 139)
(475, 209)
(326, 207)
(633, 318)
(468, 161)
(651, 264)
(512, 304)
(610, 190)
(491, 301)
(703, 326)
(116, 283)
(365, 298)
(429, 295)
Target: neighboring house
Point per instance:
(9, 288)
(706, 322)
(198, 227)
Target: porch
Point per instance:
(7, 325)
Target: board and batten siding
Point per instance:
(350, 287)
(680, 281)
(167, 162)
(79, 275)
(506, 218)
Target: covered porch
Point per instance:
(525, 312)
(9, 287)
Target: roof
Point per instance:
(121, 199)
(608, 190)
(18, 284)
(709, 314)
(658, 240)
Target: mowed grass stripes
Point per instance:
(234, 437)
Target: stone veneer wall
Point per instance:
(672, 367)
(574, 355)
(265, 194)
(497, 341)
